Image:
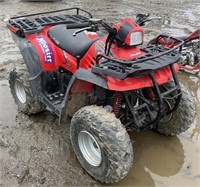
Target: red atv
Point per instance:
(190, 50)
(106, 83)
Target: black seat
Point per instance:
(74, 45)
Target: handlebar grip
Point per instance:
(77, 25)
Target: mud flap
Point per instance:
(84, 77)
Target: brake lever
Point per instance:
(81, 30)
(154, 18)
(142, 22)
(141, 18)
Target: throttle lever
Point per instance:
(93, 22)
(81, 30)
(141, 19)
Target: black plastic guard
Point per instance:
(32, 62)
(85, 75)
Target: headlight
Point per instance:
(136, 38)
(128, 33)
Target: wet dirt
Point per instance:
(35, 151)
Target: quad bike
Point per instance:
(190, 50)
(106, 84)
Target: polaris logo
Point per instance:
(46, 48)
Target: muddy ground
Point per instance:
(35, 151)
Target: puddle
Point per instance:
(153, 153)
(159, 160)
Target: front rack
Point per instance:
(32, 23)
(156, 57)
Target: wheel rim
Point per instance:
(89, 148)
(20, 91)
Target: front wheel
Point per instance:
(101, 144)
(182, 118)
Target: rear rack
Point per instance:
(32, 23)
(156, 57)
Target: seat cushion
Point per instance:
(74, 45)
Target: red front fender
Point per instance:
(162, 76)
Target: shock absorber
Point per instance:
(148, 93)
(117, 103)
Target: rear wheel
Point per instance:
(21, 92)
(181, 119)
(101, 144)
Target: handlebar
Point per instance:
(92, 24)
(141, 19)
(77, 25)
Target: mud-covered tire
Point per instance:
(111, 140)
(182, 117)
(21, 92)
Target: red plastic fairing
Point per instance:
(50, 55)
(92, 35)
(12, 28)
(69, 63)
(97, 47)
(81, 86)
(162, 76)
(126, 53)
(194, 35)
(89, 59)
(116, 51)
(133, 28)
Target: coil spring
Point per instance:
(117, 103)
(148, 93)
